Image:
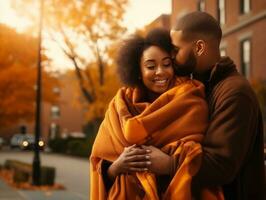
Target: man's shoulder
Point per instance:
(234, 86)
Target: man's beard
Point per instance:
(188, 67)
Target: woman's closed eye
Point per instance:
(150, 64)
(167, 62)
(151, 67)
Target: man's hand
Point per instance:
(133, 159)
(160, 161)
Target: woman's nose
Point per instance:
(159, 70)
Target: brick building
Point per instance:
(66, 117)
(57, 120)
(243, 23)
(161, 21)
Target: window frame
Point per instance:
(219, 12)
(245, 70)
(241, 5)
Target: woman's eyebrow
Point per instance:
(149, 60)
(165, 58)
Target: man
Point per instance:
(233, 144)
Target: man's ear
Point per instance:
(200, 47)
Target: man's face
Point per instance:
(184, 58)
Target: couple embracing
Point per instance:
(186, 125)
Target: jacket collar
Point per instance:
(222, 69)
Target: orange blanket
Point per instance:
(175, 122)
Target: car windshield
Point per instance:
(29, 138)
(18, 137)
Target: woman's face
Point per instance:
(156, 69)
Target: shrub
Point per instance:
(78, 148)
(58, 145)
(72, 146)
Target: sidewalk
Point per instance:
(8, 193)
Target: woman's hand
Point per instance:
(132, 159)
(160, 161)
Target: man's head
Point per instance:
(196, 38)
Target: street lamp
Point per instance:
(36, 159)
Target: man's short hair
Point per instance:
(198, 24)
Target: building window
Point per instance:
(54, 130)
(55, 112)
(56, 90)
(223, 52)
(246, 57)
(201, 5)
(244, 6)
(221, 12)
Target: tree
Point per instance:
(18, 59)
(86, 24)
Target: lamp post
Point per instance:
(36, 159)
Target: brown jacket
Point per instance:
(233, 145)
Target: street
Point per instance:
(71, 172)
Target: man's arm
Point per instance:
(228, 139)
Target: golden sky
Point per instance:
(138, 14)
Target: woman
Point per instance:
(157, 109)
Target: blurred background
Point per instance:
(78, 41)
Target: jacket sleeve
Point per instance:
(229, 137)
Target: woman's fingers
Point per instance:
(137, 151)
(133, 158)
(143, 164)
(134, 169)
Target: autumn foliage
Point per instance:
(18, 60)
(103, 93)
(85, 31)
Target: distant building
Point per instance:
(161, 21)
(66, 117)
(62, 119)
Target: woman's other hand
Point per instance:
(132, 159)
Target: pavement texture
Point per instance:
(8, 193)
(71, 172)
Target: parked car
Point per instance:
(16, 140)
(25, 142)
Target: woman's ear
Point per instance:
(200, 47)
